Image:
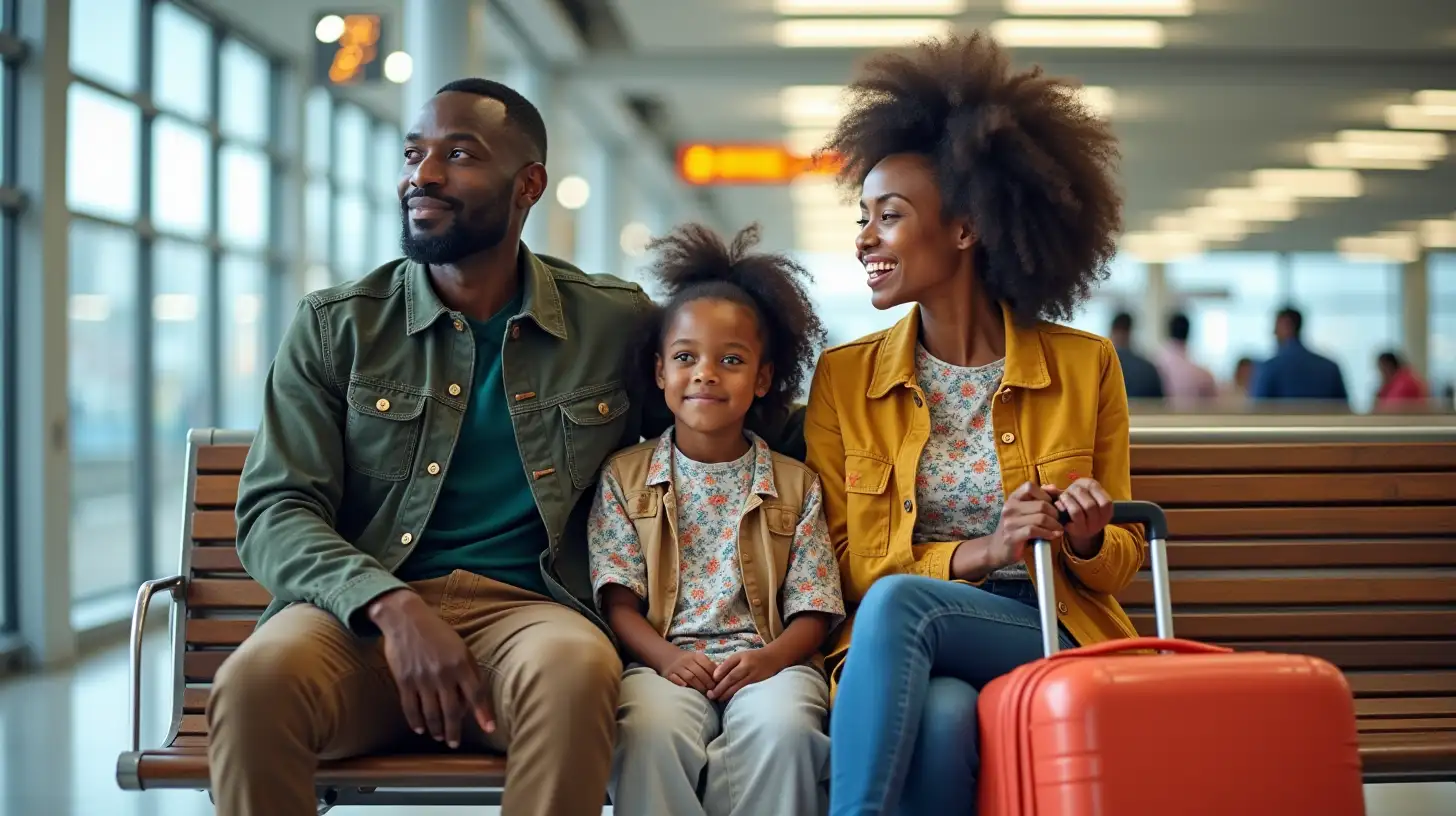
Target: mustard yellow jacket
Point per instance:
(1060, 414)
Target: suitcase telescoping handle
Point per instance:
(1124, 512)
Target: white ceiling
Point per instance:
(1241, 84)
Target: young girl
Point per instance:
(709, 555)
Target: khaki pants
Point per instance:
(304, 688)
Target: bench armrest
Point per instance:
(138, 626)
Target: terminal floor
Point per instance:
(62, 732)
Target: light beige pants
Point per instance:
(304, 688)
(765, 753)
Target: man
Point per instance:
(1400, 387)
(1295, 372)
(1186, 383)
(414, 497)
(1138, 375)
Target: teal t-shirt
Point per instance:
(485, 520)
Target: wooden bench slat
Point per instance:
(225, 593)
(187, 767)
(214, 525)
(1267, 554)
(1364, 654)
(216, 559)
(218, 632)
(1395, 684)
(194, 700)
(1320, 625)
(1312, 457)
(1418, 707)
(202, 666)
(192, 741)
(1294, 590)
(1333, 522)
(216, 491)
(221, 458)
(1373, 725)
(1204, 490)
(193, 724)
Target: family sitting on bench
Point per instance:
(469, 544)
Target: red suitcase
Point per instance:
(1191, 730)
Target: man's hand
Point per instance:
(691, 669)
(742, 669)
(439, 681)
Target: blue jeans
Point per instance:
(903, 729)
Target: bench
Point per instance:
(1335, 546)
(1331, 539)
(215, 606)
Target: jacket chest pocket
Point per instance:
(593, 427)
(868, 502)
(382, 432)
(1063, 471)
(781, 521)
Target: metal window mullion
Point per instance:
(146, 399)
(212, 311)
(275, 266)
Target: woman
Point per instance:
(951, 440)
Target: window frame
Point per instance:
(210, 240)
(13, 55)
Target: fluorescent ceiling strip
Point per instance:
(1438, 234)
(1382, 246)
(875, 8)
(1415, 117)
(1334, 154)
(861, 33)
(811, 106)
(1024, 33)
(1100, 8)
(1311, 182)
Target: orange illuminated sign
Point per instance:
(708, 164)
(356, 53)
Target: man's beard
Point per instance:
(464, 237)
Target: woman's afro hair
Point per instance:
(693, 263)
(1016, 154)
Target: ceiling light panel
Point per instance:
(858, 33)
(873, 8)
(1402, 247)
(1100, 8)
(1416, 117)
(1026, 33)
(811, 106)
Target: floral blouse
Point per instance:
(712, 614)
(958, 483)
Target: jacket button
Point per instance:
(406, 539)
(459, 325)
(382, 405)
(515, 331)
(603, 408)
(1061, 607)
(1006, 395)
(918, 401)
(1008, 437)
(909, 506)
(433, 469)
(454, 389)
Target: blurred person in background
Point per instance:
(1141, 376)
(1185, 383)
(1399, 385)
(1295, 372)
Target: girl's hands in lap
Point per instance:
(690, 669)
(741, 669)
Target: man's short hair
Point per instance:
(1122, 321)
(1296, 320)
(520, 113)
(1178, 327)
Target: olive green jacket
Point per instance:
(362, 411)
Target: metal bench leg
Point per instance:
(327, 797)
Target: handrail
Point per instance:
(138, 625)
